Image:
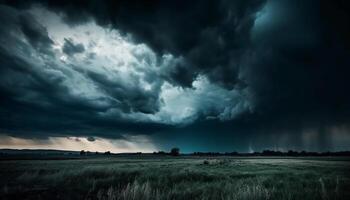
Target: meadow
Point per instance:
(166, 177)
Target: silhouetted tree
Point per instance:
(175, 151)
(82, 153)
(159, 153)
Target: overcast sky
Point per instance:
(221, 75)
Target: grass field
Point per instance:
(151, 178)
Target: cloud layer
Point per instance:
(232, 69)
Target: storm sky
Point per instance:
(221, 75)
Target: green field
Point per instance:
(148, 177)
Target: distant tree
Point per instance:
(175, 151)
(82, 153)
(107, 153)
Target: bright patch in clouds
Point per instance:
(107, 58)
(184, 105)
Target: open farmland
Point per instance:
(162, 177)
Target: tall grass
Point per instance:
(152, 179)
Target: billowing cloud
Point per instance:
(110, 83)
(239, 70)
(212, 36)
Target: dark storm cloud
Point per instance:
(70, 48)
(180, 74)
(211, 35)
(301, 71)
(291, 57)
(299, 76)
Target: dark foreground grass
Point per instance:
(175, 178)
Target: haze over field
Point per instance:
(130, 76)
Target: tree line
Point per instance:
(176, 152)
